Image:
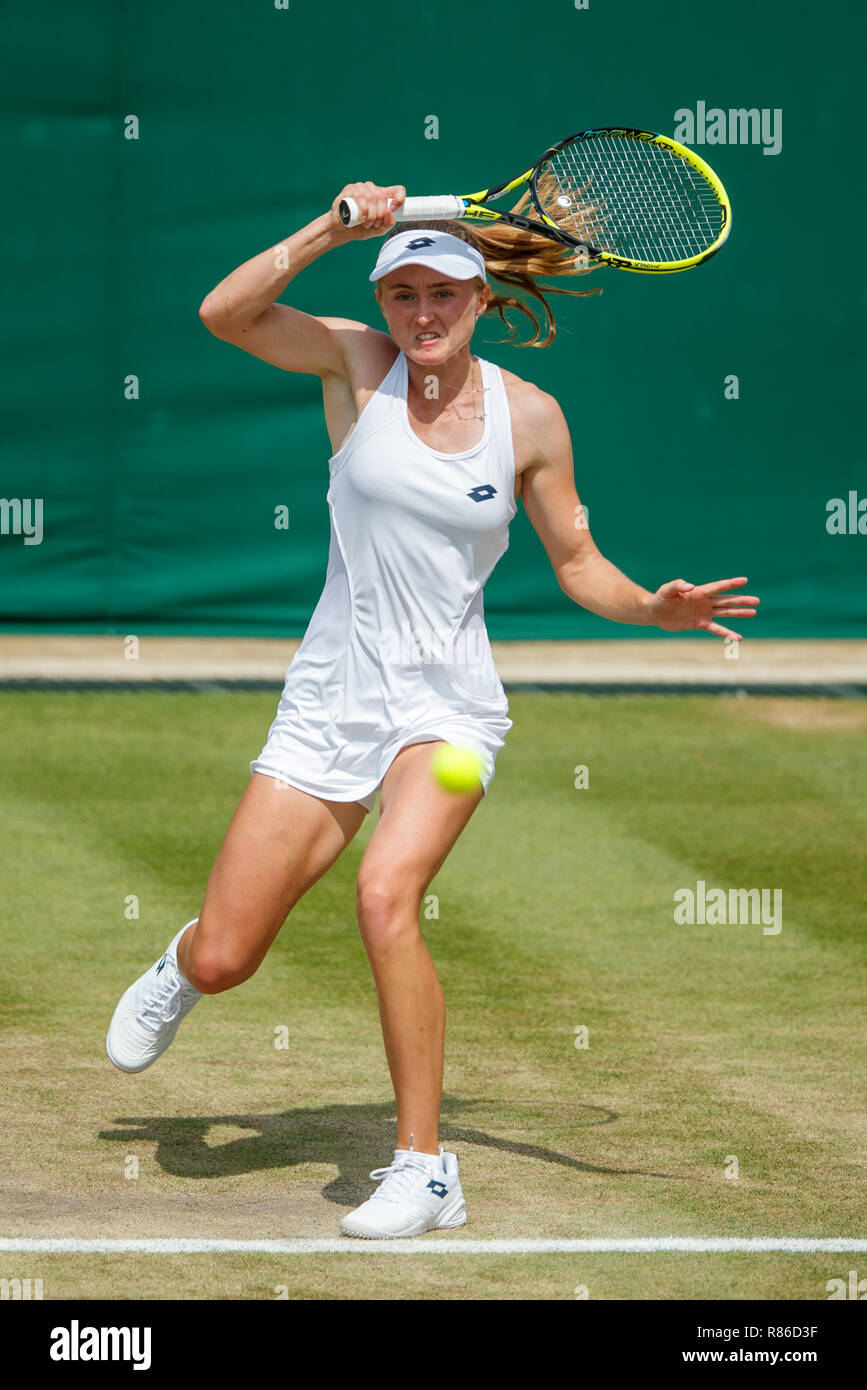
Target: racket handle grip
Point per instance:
(443, 208)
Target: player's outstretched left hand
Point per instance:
(680, 607)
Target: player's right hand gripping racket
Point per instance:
(626, 197)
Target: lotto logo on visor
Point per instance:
(441, 251)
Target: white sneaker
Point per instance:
(150, 1013)
(417, 1193)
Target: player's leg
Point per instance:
(419, 824)
(280, 841)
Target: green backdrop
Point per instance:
(158, 513)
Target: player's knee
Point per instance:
(387, 911)
(212, 972)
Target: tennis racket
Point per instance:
(625, 197)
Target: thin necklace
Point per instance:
(475, 413)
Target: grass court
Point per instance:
(711, 1049)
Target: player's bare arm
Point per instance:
(544, 456)
(350, 357)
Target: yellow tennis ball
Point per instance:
(456, 769)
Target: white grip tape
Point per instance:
(441, 208)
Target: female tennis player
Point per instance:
(432, 448)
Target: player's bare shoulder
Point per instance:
(366, 352)
(367, 356)
(538, 423)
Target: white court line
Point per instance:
(790, 1245)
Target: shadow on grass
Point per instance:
(354, 1138)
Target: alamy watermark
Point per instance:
(77, 1343)
(422, 646)
(733, 907)
(22, 516)
(846, 516)
(20, 1289)
(853, 1287)
(739, 125)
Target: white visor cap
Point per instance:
(441, 251)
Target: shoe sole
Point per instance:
(130, 1071)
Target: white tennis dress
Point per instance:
(397, 651)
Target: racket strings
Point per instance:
(580, 217)
(631, 198)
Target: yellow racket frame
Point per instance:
(475, 211)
